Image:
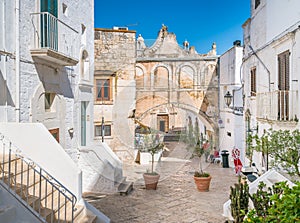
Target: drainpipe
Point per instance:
(4, 63)
(17, 39)
(269, 73)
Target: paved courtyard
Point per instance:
(176, 198)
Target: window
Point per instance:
(103, 91)
(55, 133)
(49, 99)
(49, 26)
(253, 81)
(283, 71)
(257, 2)
(98, 130)
(283, 85)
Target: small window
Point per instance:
(257, 2)
(49, 99)
(98, 130)
(103, 90)
(253, 81)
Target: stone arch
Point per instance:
(140, 77)
(165, 76)
(53, 119)
(84, 64)
(206, 73)
(180, 77)
(211, 126)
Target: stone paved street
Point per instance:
(176, 198)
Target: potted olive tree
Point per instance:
(151, 178)
(202, 179)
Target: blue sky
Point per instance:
(201, 22)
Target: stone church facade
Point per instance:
(176, 85)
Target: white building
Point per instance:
(47, 72)
(46, 83)
(231, 122)
(271, 66)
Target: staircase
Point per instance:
(39, 192)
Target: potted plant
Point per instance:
(202, 179)
(151, 178)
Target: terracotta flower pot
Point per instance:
(202, 183)
(151, 181)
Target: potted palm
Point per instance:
(151, 178)
(202, 179)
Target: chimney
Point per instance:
(237, 43)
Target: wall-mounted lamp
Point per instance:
(71, 132)
(228, 98)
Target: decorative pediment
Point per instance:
(165, 45)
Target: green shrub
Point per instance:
(278, 204)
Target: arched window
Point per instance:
(186, 77)
(161, 77)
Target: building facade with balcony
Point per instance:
(47, 68)
(271, 66)
(46, 90)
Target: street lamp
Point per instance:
(228, 98)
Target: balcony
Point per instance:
(53, 40)
(277, 105)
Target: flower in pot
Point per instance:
(202, 179)
(151, 178)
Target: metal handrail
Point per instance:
(47, 13)
(44, 176)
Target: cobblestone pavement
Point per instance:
(176, 199)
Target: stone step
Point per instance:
(89, 196)
(41, 197)
(46, 213)
(86, 217)
(4, 159)
(125, 187)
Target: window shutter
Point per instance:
(284, 71)
(287, 71)
(253, 81)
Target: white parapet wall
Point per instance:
(102, 169)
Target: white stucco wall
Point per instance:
(39, 76)
(231, 132)
(277, 22)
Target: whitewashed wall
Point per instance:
(232, 131)
(38, 76)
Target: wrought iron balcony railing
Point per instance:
(53, 39)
